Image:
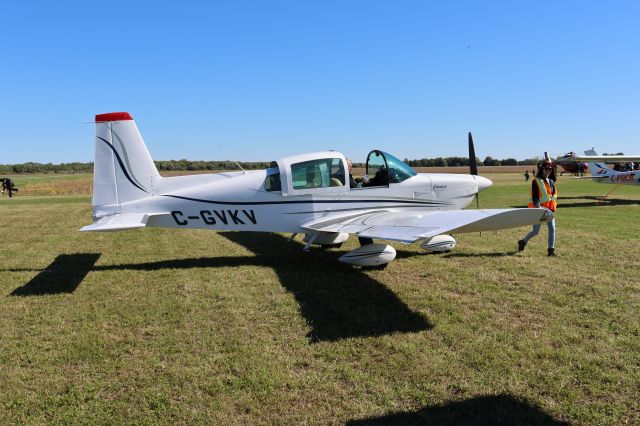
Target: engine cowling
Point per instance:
(439, 244)
(370, 255)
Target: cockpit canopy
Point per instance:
(383, 168)
(326, 172)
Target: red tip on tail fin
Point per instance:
(113, 116)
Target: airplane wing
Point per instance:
(604, 158)
(120, 222)
(411, 226)
(591, 155)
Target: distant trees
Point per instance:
(509, 162)
(31, 167)
(464, 161)
(440, 162)
(171, 165)
(529, 162)
(490, 161)
(182, 165)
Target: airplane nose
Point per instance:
(483, 183)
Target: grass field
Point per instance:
(180, 327)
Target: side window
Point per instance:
(322, 173)
(272, 183)
(338, 175)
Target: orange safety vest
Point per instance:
(547, 199)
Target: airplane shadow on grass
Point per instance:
(64, 275)
(404, 254)
(492, 254)
(337, 300)
(482, 410)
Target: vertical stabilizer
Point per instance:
(600, 170)
(123, 168)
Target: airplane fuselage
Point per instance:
(631, 178)
(240, 202)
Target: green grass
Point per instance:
(168, 326)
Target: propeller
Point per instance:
(472, 157)
(473, 165)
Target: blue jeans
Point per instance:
(536, 229)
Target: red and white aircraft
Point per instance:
(308, 193)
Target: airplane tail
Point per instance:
(598, 169)
(123, 168)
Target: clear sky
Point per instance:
(266, 79)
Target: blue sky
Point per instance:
(266, 79)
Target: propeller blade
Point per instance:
(473, 166)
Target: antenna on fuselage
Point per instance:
(237, 164)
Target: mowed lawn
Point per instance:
(179, 327)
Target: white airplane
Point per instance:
(308, 193)
(591, 155)
(603, 174)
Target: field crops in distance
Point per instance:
(179, 327)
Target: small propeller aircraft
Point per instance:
(308, 193)
(603, 174)
(569, 165)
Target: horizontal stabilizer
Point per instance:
(119, 222)
(603, 177)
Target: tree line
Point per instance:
(188, 165)
(171, 165)
(464, 161)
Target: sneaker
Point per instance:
(551, 252)
(521, 244)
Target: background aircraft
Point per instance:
(571, 166)
(308, 193)
(603, 174)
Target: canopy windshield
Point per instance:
(383, 168)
